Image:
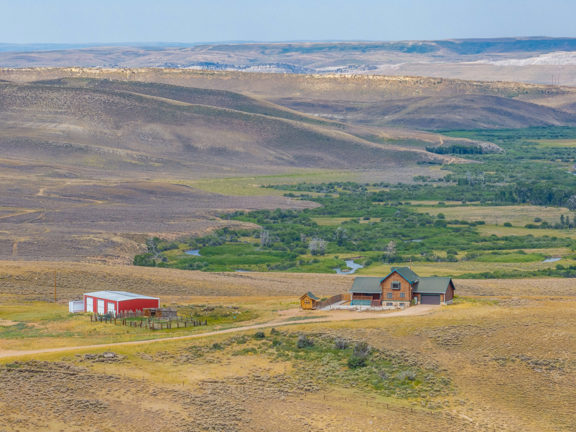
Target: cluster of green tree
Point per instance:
(386, 232)
(564, 223)
(328, 188)
(458, 149)
(379, 225)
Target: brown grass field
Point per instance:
(506, 346)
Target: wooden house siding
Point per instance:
(308, 303)
(396, 294)
(449, 293)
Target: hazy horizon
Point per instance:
(252, 21)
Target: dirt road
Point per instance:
(286, 318)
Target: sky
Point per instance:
(191, 21)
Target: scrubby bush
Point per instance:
(355, 362)
(341, 344)
(362, 349)
(304, 342)
(408, 375)
(359, 357)
(259, 335)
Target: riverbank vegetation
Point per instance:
(530, 187)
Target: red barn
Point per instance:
(103, 302)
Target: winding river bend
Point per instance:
(351, 265)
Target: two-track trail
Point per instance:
(335, 316)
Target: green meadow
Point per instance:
(510, 214)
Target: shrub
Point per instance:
(146, 259)
(362, 349)
(359, 357)
(383, 375)
(355, 362)
(341, 344)
(408, 375)
(304, 342)
(507, 224)
(259, 335)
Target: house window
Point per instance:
(396, 285)
(389, 304)
(402, 295)
(389, 295)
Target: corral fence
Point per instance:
(332, 300)
(132, 320)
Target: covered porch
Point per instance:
(366, 299)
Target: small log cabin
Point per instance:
(309, 301)
(401, 288)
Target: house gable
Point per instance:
(406, 273)
(396, 287)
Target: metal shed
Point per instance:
(113, 302)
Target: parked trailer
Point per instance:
(76, 306)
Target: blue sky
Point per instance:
(107, 21)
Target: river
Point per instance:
(351, 265)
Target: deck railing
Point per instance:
(334, 299)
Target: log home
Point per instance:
(401, 288)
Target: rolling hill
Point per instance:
(436, 112)
(128, 127)
(371, 101)
(90, 168)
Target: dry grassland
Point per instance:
(507, 348)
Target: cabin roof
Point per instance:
(433, 285)
(312, 296)
(367, 285)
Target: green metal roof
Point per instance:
(367, 285)
(312, 296)
(406, 273)
(433, 285)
